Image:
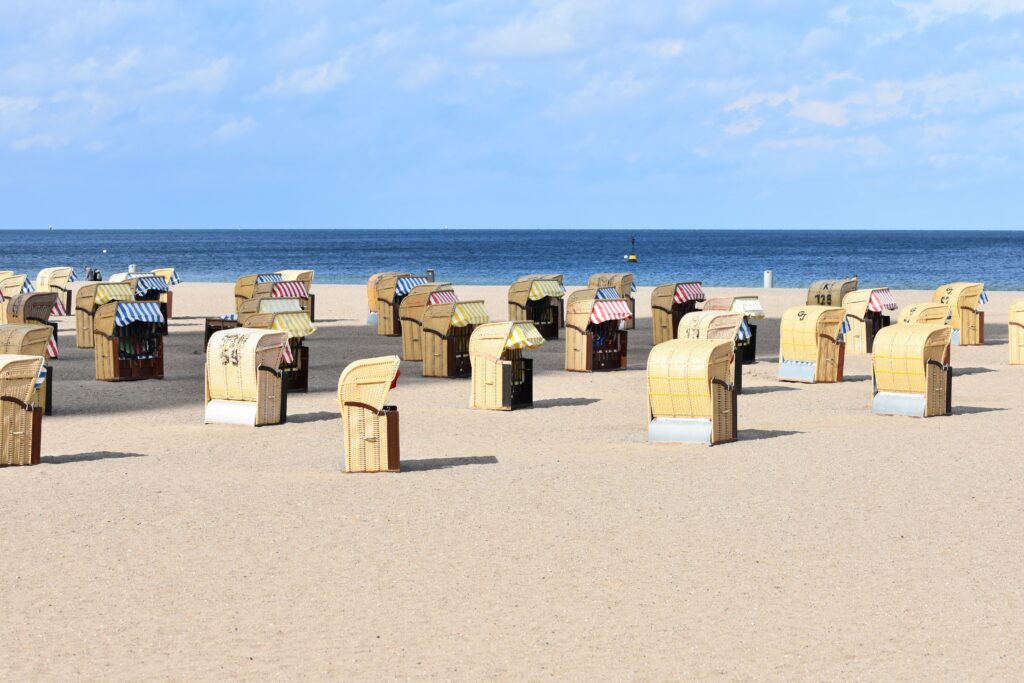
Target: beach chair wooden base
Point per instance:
(110, 367)
(380, 452)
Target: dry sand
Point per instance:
(545, 543)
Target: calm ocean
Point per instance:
(902, 259)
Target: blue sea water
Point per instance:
(902, 259)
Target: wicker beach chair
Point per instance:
(391, 288)
(371, 294)
(89, 298)
(306, 278)
(13, 284)
(31, 340)
(910, 366)
(964, 300)
(244, 380)
(538, 298)
(411, 313)
(371, 427)
(150, 287)
(866, 314)
(502, 377)
(587, 294)
(57, 280)
(447, 328)
(830, 292)
(750, 307)
(718, 325)
(625, 288)
(595, 338)
(170, 276)
(689, 392)
(924, 314)
(669, 303)
(298, 326)
(21, 418)
(811, 348)
(1016, 324)
(245, 286)
(129, 342)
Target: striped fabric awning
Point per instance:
(882, 300)
(632, 286)
(689, 291)
(524, 336)
(445, 296)
(52, 350)
(469, 313)
(290, 290)
(845, 327)
(58, 307)
(286, 354)
(112, 292)
(744, 334)
(268, 277)
(174, 279)
(405, 284)
(983, 299)
(74, 276)
(544, 288)
(615, 309)
(294, 324)
(27, 287)
(150, 283)
(608, 293)
(290, 305)
(140, 311)
(229, 316)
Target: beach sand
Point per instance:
(551, 543)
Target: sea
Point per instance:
(738, 258)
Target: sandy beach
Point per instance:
(550, 543)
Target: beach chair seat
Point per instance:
(129, 341)
(502, 377)
(911, 372)
(306, 278)
(244, 381)
(89, 298)
(595, 338)
(690, 394)
(867, 312)
(447, 328)
(298, 326)
(57, 280)
(371, 427)
(625, 288)
(538, 299)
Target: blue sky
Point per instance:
(544, 114)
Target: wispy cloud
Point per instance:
(310, 80)
(234, 129)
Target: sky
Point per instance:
(496, 114)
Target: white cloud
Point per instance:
(208, 78)
(45, 140)
(818, 39)
(550, 30)
(597, 95)
(840, 14)
(667, 49)
(234, 129)
(311, 80)
(866, 146)
(935, 11)
(421, 75)
(743, 127)
(828, 113)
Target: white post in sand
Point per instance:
(769, 279)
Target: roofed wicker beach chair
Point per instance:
(245, 286)
(170, 276)
(964, 300)
(13, 284)
(150, 287)
(34, 309)
(669, 303)
(279, 289)
(306, 278)
(866, 313)
(811, 345)
(538, 298)
(625, 288)
(910, 366)
(750, 307)
(57, 280)
(129, 342)
(22, 420)
(391, 289)
(244, 380)
(586, 294)
(595, 338)
(371, 294)
(718, 325)
(371, 427)
(690, 394)
(412, 310)
(1017, 333)
(830, 292)
(447, 328)
(90, 297)
(298, 326)
(502, 377)
(925, 314)
(31, 340)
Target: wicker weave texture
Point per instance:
(924, 314)
(244, 365)
(362, 391)
(691, 378)
(19, 419)
(27, 309)
(489, 355)
(710, 325)
(411, 312)
(963, 300)
(830, 292)
(388, 318)
(912, 359)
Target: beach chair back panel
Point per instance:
(830, 292)
(371, 428)
(20, 420)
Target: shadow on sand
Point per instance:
(762, 434)
(753, 391)
(564, 402)
(322, 416)
(446, 463)
(87, 457)
(974, 410)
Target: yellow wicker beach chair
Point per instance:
(411, 311)
(669, 303)
(538, 298)
(924, 314)
(966, 317)
(170, 276)
(910, 365)
(391, 289)
(21, 418)
(689, 392)
(594, 336)
(811, 349)
(830, 292)
(306, 278)
(625, 287)
(371, 294)
(57, 280)
(750, 307)
(12, 285)
(447, 328)
(717, 325)
(502, 378)
(1017, 333)
(244, 381)
(31, 340)
(866, 313)
(89, 298)
(588, 294)
(129, 341)
(371, 427)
